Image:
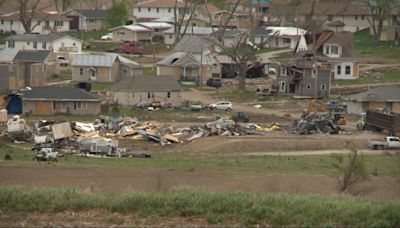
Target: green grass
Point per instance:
(243, 208)
(366, 46)
(282, 56)
(385, 165)
(99, 86)
(238, 96)
(219, 4)
(92, 35)
(3, 37)
(62, 76)
(387, 77)
(101, 46)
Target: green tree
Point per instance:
(118, 14)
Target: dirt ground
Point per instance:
(125, 180)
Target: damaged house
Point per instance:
(304, 77)
(147, 89)
(103, 68)
(50, 100)
(192, 60)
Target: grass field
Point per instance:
(62, 76)
(248, 209)
(387, 77)
(238, 96)
(366, 46)
(99, 86)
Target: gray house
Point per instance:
(381, 98)
(103, 68)
(87, 19)
(50, 100)
(304, 78)
(147, 89)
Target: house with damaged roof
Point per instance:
(50, 100)
(103, 68)
(146, 89)
(86, 19)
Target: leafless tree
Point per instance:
(380, 11)
(179, 17)
(27, 11)
(63, 5)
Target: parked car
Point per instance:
(46, 154)
(390, 142)
(62, 60)
(133, 48)
(336, 106)
(222, 105)
(196, 107)
(107, 36)
(214, 82)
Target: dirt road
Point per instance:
(123, 180)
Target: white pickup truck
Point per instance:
(390, 142)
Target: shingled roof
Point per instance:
(32, 56)
(93, 14)
(382, 94)
(162, 83)
(31, 37)
(55, 93)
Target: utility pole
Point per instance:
(201, 66)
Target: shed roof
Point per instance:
(105, 60)
(381, 94)
(8, 54)
(194, 44)
(146, 83)
(59, 93)
(32, 56)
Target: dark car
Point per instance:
(133, 48)
(336, 106)
(214, 82)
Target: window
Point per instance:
(158, 10)
(139, 9)
(334, 49)
(327, 50)
(79, 105)
(121, 33)
(11, 22)
(93, 73)
(169, 10)
(339, 70)
(170, 36)
(330, 18)
(323, 86)
(125, 70)
(148, 95)
(44, 44)
(59, 23)
(156, 30)
(11, 68)
(34, 44)
(54, 105)
(308, 86)
(283, 71)
(74, 44)
(347, 70)
(169, 94)
(149, 9)
(356, 17)
(81, 71)
(92, 20)
(2, 22)
(28, 43)
(11, 44)
(133, 94)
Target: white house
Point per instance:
(153, 9)
(58, 43)
(169, 35)
(42, 22)
(133, 32)
(285, 37)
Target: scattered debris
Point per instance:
(18, 129)
(316, 123)
(46, 154)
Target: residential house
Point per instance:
(232, 37)
(240, 19)
(158, 28)
(134, 32)
(147, 89)
(153, 9)
(261, 6)
(336, 16)
(56, 42)
(10, 74)
(391, 27)
(338, 49)
(284, 37)
(42, 22)
(51, 100)
(169, 35)
(192, 60)
(87, 19)
(103, 68)
(304, 77)
(380, 98)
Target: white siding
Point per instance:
(68, 42)
(16, 26)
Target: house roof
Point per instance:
(193, 30)
(59, 93)
(164, 19)
(261, 32)
(37, 16)
(346, 40)
(32, 55)
(194, 44)
(331, 8)
(93, 13)
(302, 63)
(161, 3)
(50, 37)
(382, 94)
(286, 31)
(133, 27)
(8, 54)
(156, 25)
(179, 59)
(232, 32)
(146, 83)
(105, 60)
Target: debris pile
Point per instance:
(316, 123)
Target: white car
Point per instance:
(107, 36)
(62, 60)
(222, 105)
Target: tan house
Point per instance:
(147, 89)
(103, 68)
(380, 98)
(50, 100)
(133, 32)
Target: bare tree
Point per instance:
(179, 20)
(27, 11)
(380, 11)
(63, 5)
(351, 170)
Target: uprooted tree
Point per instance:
(350, 170)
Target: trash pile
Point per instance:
(316, 123)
